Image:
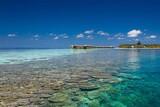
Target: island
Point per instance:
(88, 46)
(139, 45)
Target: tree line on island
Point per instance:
(139, 45)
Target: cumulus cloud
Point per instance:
(11, 35)
(80, 36)
(102, 33)
(56, 38)
(134, 33)
(151, 37)
(89, 31)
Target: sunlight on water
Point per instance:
(133, 59)
(23, 55)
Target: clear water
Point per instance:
(146, 91)
(141, 87)
(16, 56)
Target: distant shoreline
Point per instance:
(136, 48)
(140, 45)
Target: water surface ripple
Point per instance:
(70, 78)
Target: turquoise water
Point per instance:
(15, 56)
(144, 92)
(139, 70)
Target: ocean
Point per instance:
(80, 78)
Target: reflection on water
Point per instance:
(133, 59)
(94, 78)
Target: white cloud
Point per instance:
(36, 36)
(56, 38)
(89, 31)
(65, 37)
(51, 34)
(119, 35)
(136, 40)
(59, 36)
(80, 36)
(64, 34)
(11, 35)
(151, 37)
(36, 39)
(110, 38)
(89, 37)
(134, 33)
(120, 38)
(102, 33)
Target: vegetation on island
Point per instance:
(139, 45)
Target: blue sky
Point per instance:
(60, 23)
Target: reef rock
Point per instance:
(88, 87)
(58, 98)
(94, 103)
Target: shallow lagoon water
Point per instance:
(134, 79)
(17, 56)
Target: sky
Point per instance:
(61, 23)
